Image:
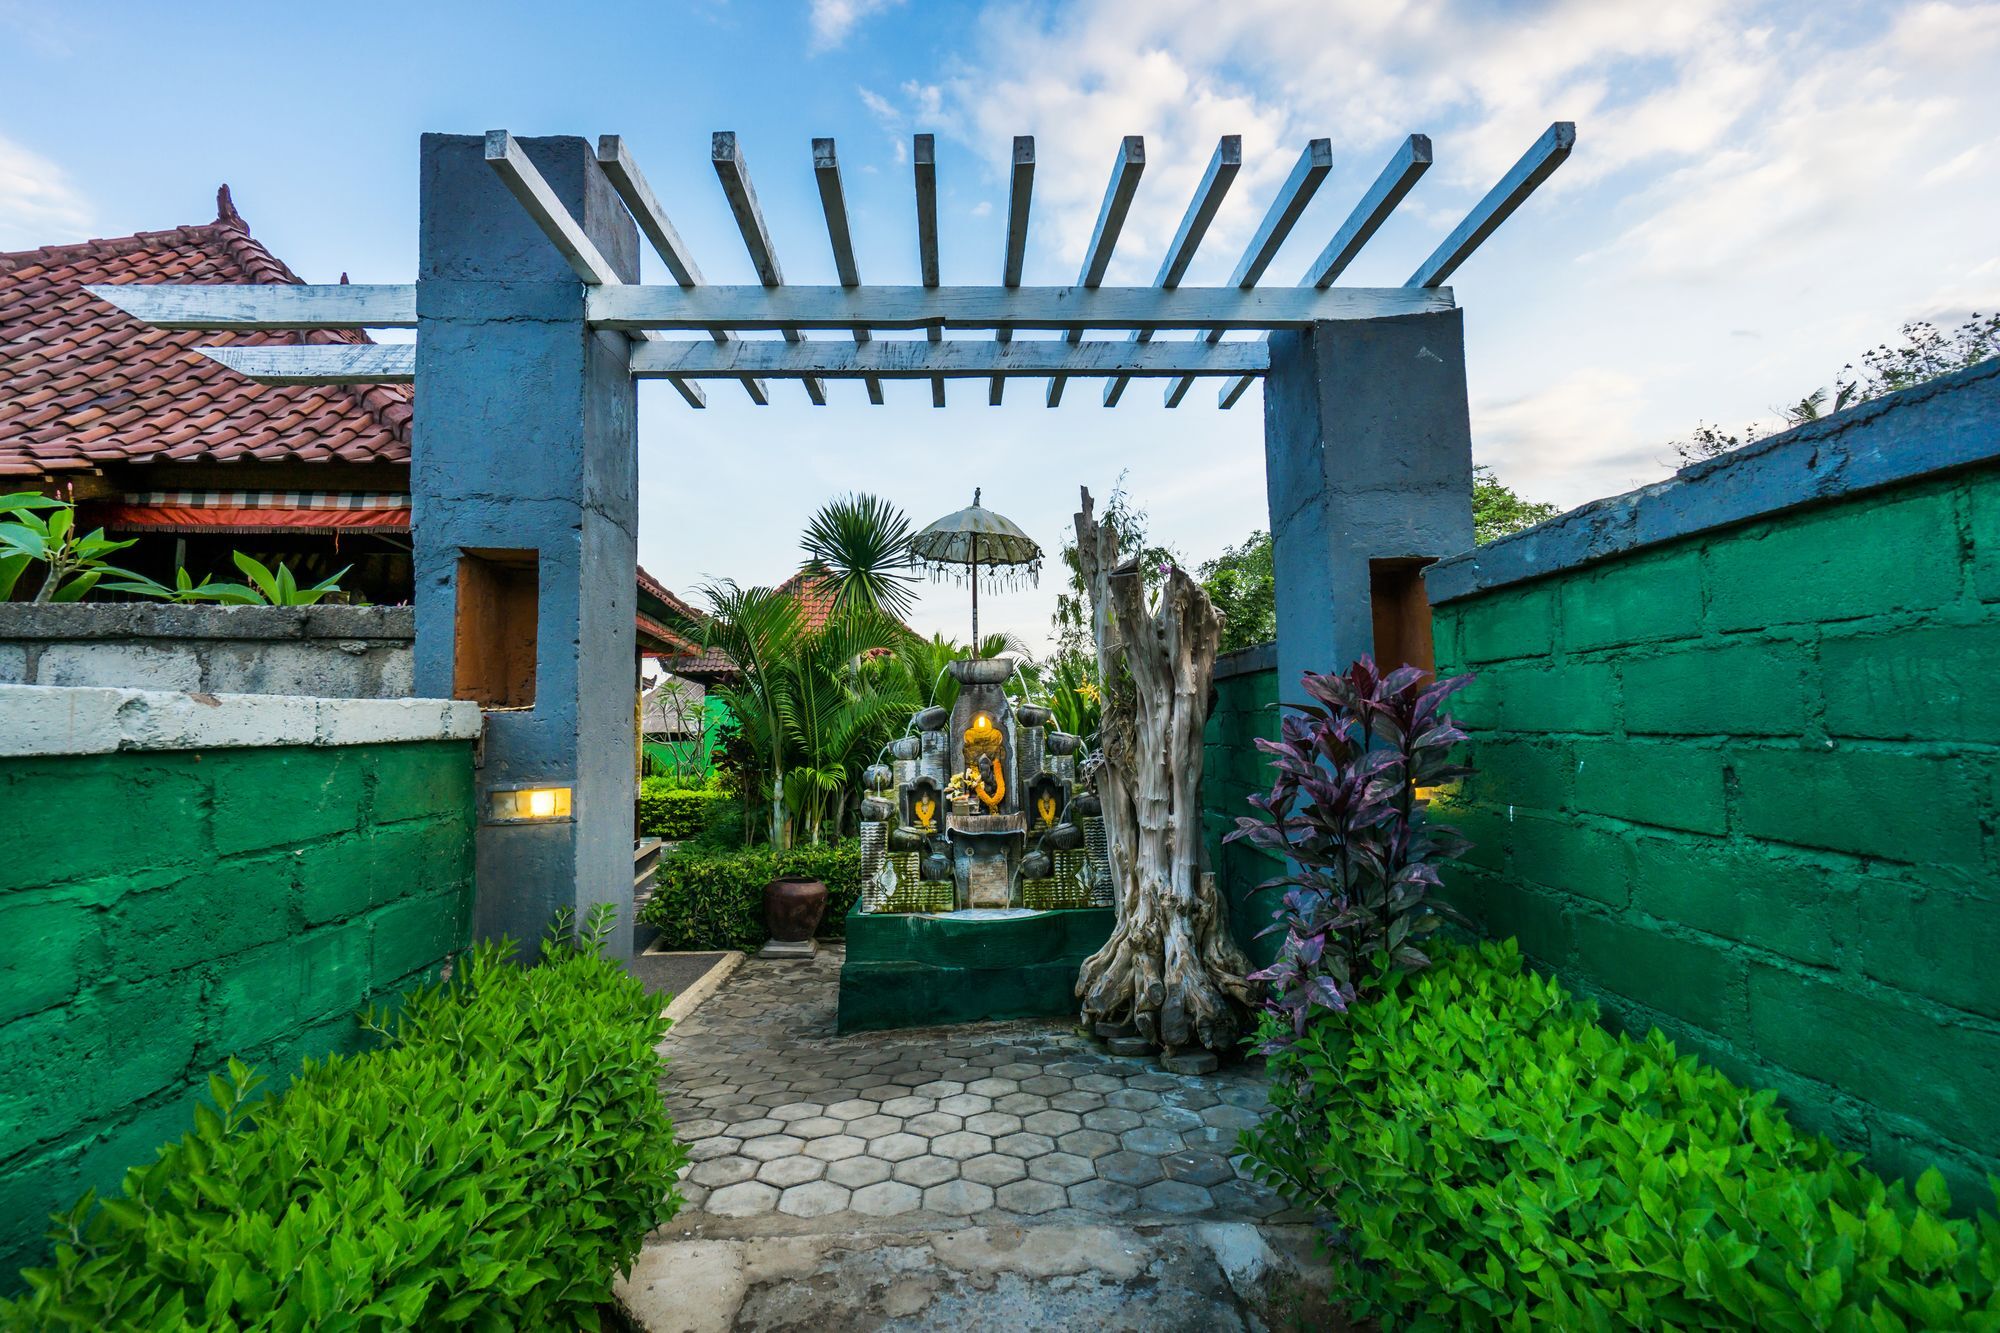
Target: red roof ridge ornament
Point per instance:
(225, 209)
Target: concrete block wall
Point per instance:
(1738, 773)
(1233, 769)
(188, 878)
(357, 652)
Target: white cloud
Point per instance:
(38, 204)
(833, 20)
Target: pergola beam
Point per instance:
(264, 305)
(833, 202)
(734, 173)
(321, 363)
(1536, 165)
(1201, 210)
(1279, 219)
(1020, 195)
(525, 182)
(1111, 214)
(923, 161)
(910, 359)
(1062, 308)
(623, 172)
(1409, 164)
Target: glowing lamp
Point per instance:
(519, 805)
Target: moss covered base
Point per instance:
(915, 971)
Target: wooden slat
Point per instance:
(1063, 308)
(734, 173)
(1020, 194)
(1201, 210)
(327, 363)
(1125, 173)
(923, 158)
(1536, 165)
(1279, 219)
(833, 202)
(1412, 160)
(651, 216)
(957, 358)
(275, 305)
(525, 182)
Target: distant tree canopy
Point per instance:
(1924, 353)
(1497, 510)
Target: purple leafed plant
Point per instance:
(1361, 852)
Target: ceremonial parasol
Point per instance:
(976, 536)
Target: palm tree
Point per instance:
(759, 629)
(861, 545)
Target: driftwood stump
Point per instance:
(1171, 968)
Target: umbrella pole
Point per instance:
(975, 594)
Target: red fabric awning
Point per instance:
(258, 511)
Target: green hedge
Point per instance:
(677, 814)
(711, 900)
(493, 1166)
(1499, 1160)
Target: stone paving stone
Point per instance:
(906, 1107)
(854, 1108)
(1175, 1196)
(854, 1172)
(993, 1087)
(772, 1146)
(719, 1146)
(1112, 1120)
(874, 1126)
(791, 1171)
(1020, 1103)
(958, 1198)
(1030, 1197)
(1061, 1168)
(1076, 1102)
(995, 1123)
(961, 1145)
(751, 1129)
(992, 1169)
(1197, 1168)
(836, 1147)
(689, 1130)
(1102, 1196)
(816, 1127)
(931, 1124)
(1025, 1145)
(1125, 1099)
(965, 1104)
(1151, 1139)
(886, 1199)
(1246, 1197)
(1088, 1143)
(898, 1146)
(1051, 1123)
(926, 1170)
(745, 1200)
(943, 1087)
(1230, 1117)
(1129, 1168)
(723, 1171)
(814, 1200)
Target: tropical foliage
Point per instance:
(711, 899)
(860, 544)
(1494, 1158)
(1497, 510)
(1348, 816)
(1244, 588)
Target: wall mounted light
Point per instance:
(520, 805)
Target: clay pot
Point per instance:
(907, 747)
(981, 670)
(1063, 838)
(931, 719)
(1037, 865)
(906, 838)
(1086, 806)
(1061, 742)
(1033, 715)
(875, 809)
(793, 906)
(877, 777)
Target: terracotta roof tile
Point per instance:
(83, 384)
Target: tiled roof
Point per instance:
(82, 384)
(816, 596)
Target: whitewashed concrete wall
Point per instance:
(60, 719)
(322, 651)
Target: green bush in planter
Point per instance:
(1496, 1159)
(715, 900)
(678, 813)
(492, 1167)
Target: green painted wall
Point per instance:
(1745, 786)
(1233, 769)
(163, 911)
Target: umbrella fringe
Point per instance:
(1004, 578)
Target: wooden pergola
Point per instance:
(532, 329)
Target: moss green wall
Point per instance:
(163, 911)
(1743, 786)
(1233, 768)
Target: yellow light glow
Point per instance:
(526, 803)
(984, 721)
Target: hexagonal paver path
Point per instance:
(791, 1128)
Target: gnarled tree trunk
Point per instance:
(1170, 968)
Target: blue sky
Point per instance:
(1759, 193)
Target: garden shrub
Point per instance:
(678, 813)
(1497, 1159)
(715, 900)
(493, 1165)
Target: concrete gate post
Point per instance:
(524, 483)
(1367, 457)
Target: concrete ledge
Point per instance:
(1948, 423)
(1247, 661)
(167, 620)
(61, 719)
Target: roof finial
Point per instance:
(225, 207)
(343, 278)
(975, 495)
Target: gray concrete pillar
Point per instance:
(525, 458)
(1367, 456)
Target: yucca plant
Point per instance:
(861, 545)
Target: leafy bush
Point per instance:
(1498, 1160)
(677, 813)
(1346, 815)
(492, 1166)
(715, 900)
